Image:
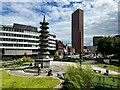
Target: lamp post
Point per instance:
(96, 54)
(80, 59)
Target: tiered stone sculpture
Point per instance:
(43, 60)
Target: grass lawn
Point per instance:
(110, 67)
(0, 80)
(10, 81)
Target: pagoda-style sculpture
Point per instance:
(43, 60)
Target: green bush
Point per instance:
(27, 59)
(18, 62)
(24, 60)
(56, 56)
(78, 77)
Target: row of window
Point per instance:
(17, 30)
(22, 45)
(31, 32)
(12, 29)
(19, 40)
(22, 40)
(19, 45)
(52, 39)
(19, 35)
(52, 46)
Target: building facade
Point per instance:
(118, 36)
(19, 40)
(95, 40)
(70, 50)
(60, 47)
(78, 30)
(52, 44)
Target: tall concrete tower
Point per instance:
(78, 30)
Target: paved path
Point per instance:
(57, 67)
(103, 70)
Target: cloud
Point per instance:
(102, 19)
(100, 16)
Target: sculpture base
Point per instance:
(45, 63)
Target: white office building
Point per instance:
(19, 40)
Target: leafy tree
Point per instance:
(109, 45)
(105, 45)
(56, 56)
(78, 77)
(117, 47)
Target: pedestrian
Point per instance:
(49, 73)
(107, 72)
(38, 71)
(39, 66)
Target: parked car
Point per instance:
(73, 57)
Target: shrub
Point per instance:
(19, 62)
(56, 56)
(27, 59)
(78, 77)
(23, 60)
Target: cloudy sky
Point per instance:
(100, 16)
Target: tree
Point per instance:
(105, 45)
(77, 77)
(56, 55)
(117, 47)
(109, 45)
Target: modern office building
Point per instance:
(118, 36)
(19, 40)
(95, 40)
(78, 30)
(52, 44)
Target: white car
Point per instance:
(75, 56)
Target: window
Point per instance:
(1, 34)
